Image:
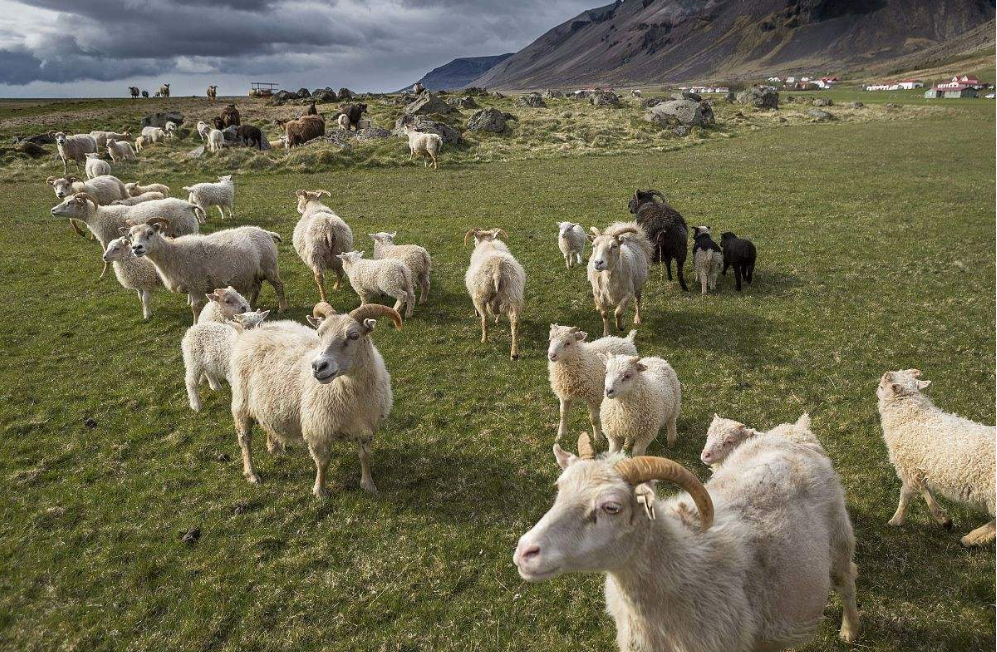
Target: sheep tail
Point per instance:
(276, 236)
(803, 421)
(631, 335)
(497, 278)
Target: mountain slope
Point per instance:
(656, 41)
(460, 72)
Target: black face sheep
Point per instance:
(665, 228)
(707, 258)
(354, 112)
(250, 136)
(739, 254)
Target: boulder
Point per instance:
(160, 119)
(533, 100)
(339, 138)
(32, 149)
(683, 112)
(345, 94)
(449, 135)
(892, 105)
(760, 97)
(823, 101)
(498, 96)
(552, 94)
(820, 115)
(197, 152)
(605, 98)
(651, 101)
(730, 98)
(490, 119)
(325, 95)
(856, 105)
(462, 102)
(687, 95)
(303, 93)
(231, 135)
(428, 103)
(48, 138)
(372, 133)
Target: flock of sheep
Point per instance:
(742, 562)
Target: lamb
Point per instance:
(707, 258)
(203, 129)
(104, 189)
(642, 395)
(319, 237)
(578, 373)
(138, 199)
(170, 128)
(136, 188)
(153, 134)
(725, 435)
(223, 305)
(370, 278)
(216, 141)
(665, 228)
(140, 143)
(571, 242)
(936, 451)
(206, 195)
(230, 116)
(250, 136)
(415, 257)
(74, 148)
(739, 254)
(314, 387)
(305, 128)
(425, 145)
(106, 222)
(197, 264)
(354, 112)
(343, 121)
(101, 137)
(495, 281)
(749, 569)
(120, 151)
(207, 351)
(96, 166)
(133, 273)
(617, 270)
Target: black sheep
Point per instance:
(311, 109)
(250, 135)
(739, 254)
(354, 112)
(665, 228)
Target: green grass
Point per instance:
(876, 240)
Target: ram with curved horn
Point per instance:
(313, 387)
(748, 569)
(617, 270)
(495, 281)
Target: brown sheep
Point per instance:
(250, 135)
(305, 128)
(354, 112)
(311, 109)
(230, 116)
(212, 92)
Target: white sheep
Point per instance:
(216, 140)
(207, 351)
(724, 435)
(101, 137)
(617, 270)
(416, 257)
(133, 273)
(635, 92)
(203, 129)
(319, 237)
(642, 396)
(136, 188)
(140, 143)
(223, 305)
(206, 195)
(371, 278)
(170, 128)
(120, 150)
(106, 222)
(425, 145)
(748, 569)
(343, 121)
(313, 387)
(153, 135)
(495, 281)
(104, 189)
(707, 258)
(96, 166)
(74, 148)
(138, 199)
(197, 264)
(571, 241)
(577, 371)
(933, 450)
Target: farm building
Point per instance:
(963, 80)
(910, 84)
(950, 91)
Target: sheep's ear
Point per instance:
(369, 324)
(563, 457)
(922, 384)
(263, 315)
(393, 234)
(124, 230)
(212, 297)
(581, 335)
(314, 321)
(640, 366)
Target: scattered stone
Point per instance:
(605, 98)
(820, 115)
(462, 102)
(687, 95)
(566, 114)
(48, 138)
(428, 103)
(90, 423)
(759, 97)
(552, 94)
(681, 131)
(33, 150)
(892, 105)
(823, 101)
(856, 105)
(651, 101)
(345, 94)
(304, 92)
(191, 536)
(325, 95)
(490, 119)
(339, 138)
(684, 112)
(532, 100)
(373, 133)
(197, 152)
(160, 119)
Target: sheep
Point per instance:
(218, 123)
(153, 134)
(223, 304)
(305, 128)
(707, 258)
(635, 93)
(319, 237)
(577, 372)
(74, 148)
(104, 189)
(140, 143)
(749, 569)
(354, 112)
(207, 351)
(206, 195)
(197, 264)
(933, 450)
(571, 242)
(138, 199)
(314, 387)
(425, 145)
(101, 137)
(343, 121)
(164, 90)
(133, 273)
(311, 110)
(416, 257)
(170, 129)
(230, 116)
(725, 435)
(145, 94)
(370, 278)
(216, 141)
(250, 136)
(641, 396)
(120, 151)
(212, 92)
(665, 228)
(495, 281)
(136, 188)
(417, 88)
(203, 129)
(96, 166)
(617, 270)
(134, 92)
(739, 254)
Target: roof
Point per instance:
(904, 81)
(951, 87)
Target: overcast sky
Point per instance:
(75, 48)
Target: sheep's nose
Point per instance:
(552, 357)
(319, 366)
(610, 392)
(525, 555)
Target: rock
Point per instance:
(339, 138)
(759, 97)
(892, 105)
(48, 138)
(475, 90)
(197, 152)
(820, 115)
(498, 96)
(730, 98)
(449, 135)
(428, 103)
(231, 135)
(325, 95)
(856, 105)
(372, 133)
(34, 150)
(191, 536)
(552, 94)
(823, 101)
(160, 119)
(303, 93)
(533, 100)
(681, 131)
(565, 114)
(782, 119)
(462, 102)
(240, 508)
(345, 94)
(90, 423)
(651, 101)
(605, 98)
(490, 119)
(684, 112)
(687, 95)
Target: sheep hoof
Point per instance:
(320, 492)
(848, 635)
(253, 478)
(947, 524)
(514, 356)
(369, 487)
(895, 522)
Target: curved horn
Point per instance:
(322, 192)
(50, 180)
(639, 470)
(322, 310)
(585, 451)
(88, 197)
(625, 230)
(158, 220)
(501, 234)
(474, 231)
(373, 310)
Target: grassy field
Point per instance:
(876, 240)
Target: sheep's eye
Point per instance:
(353, 336)
(612, 508)
(626, 376)
(567, 344)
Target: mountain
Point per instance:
(662, 41)
(459, 72)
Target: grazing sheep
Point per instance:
(665, 228)
(136, 188)
(138, 199)
(354, 112)
(203, 129)
(207, 351)
(425, 145)
(74, 148)
(197, 264)
(415, 257)
(707, 258)
(319, 237)
(495, 281)
(153, 135)
(206, 195)
(133, 273)
(145, 94)
(223, 305)
(313, 387)
(230, 116)
(642, 396)
(96, 166)
(216, 141)
(212, 92)
(725, 435)
(305, 128)
(164, 90)
(578, 372)
(748, 570)
(571, 242)
(170, 128)
(343, 121)
(933, 450)
(250, 136)
(739, 254)
(370, 278)
(101, 137)
(120, 151)
(104, 189)
(617, 270)
(140, 143)
(635, 93)
(134, 92)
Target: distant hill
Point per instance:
(459, 72)
(662, 41)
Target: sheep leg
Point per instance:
(363, 451)
(578, 258)
(481, 312)
(213, 383)
(514, 322)
(146, 297)
(562, 425)
(981, 535)
(737, 277)
(618, 313)
(704, 281)
(436, 165)
(567, 261)
(668, 267)
(614, 444)
(639, 301)
(726, 265)
(906, 493)
(424, 288)
(320, 282)
(679, 266)
(221, 210)
(244, 429)
(278, 287)
(605, 320)
(672, 430)
(937, 512)
(321, 454)
(197, 302)
(596, 424)
(274, 445)
(103, 272)
(79, 231)
(639, 448)
(192, 378)
(843, 577)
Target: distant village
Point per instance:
(958, 86)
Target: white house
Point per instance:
(910, 84)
